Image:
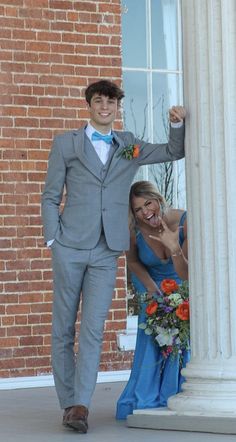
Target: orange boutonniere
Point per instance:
(130, 152)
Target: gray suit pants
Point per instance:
(92, 272)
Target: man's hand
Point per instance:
(177, 114)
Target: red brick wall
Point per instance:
(50, 51)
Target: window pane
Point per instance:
(170, 180)
(135, 103)
(134, 33)
(169, 177)
(164, 21)
(166, 93)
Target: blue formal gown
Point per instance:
(153, 379)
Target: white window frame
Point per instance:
(126, 341)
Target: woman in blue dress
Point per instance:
(158, 251)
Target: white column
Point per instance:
(209, 52)
(210, 95)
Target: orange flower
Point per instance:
(136, 151)
(151, 308)
(169, 286)
(182, 311)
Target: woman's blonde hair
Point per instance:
(144, 189)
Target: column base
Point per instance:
(164, 419)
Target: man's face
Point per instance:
(103, 112)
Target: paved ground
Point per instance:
(32, 415)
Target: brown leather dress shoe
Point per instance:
(65, 415)
(77, 418)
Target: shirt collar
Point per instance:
(90, 129)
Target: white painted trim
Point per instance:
(132, 323)
(126, 341)
(47, 380)
(26, 382)
(113, 376)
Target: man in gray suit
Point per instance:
(96, 166)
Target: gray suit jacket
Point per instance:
(96, 196)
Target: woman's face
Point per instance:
(147, 211)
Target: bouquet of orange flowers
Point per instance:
(167, 318)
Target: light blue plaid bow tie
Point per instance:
(97, 136)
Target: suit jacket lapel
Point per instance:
(91, 162)
(118, 145)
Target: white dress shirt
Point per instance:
(100, 146)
